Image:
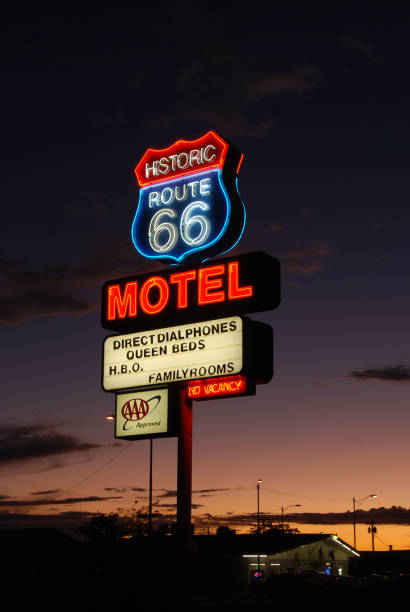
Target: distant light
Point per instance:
(253, 556)
(110, 417)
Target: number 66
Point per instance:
(188, 220)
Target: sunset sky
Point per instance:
(319, 105)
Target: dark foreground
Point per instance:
(68, 575)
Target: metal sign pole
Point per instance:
(150, 490)
(184, 494)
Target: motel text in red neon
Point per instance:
(153, 295)
(178, 295)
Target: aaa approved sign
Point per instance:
(173, 354)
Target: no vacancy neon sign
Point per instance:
(189, 205)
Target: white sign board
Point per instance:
(141, 413)
(173, 354)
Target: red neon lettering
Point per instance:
(234, 291)
(157, 165)
(181, 279)
(213, 387)
(122, 305)
(206, 284)
(194, 390)
(146, 305)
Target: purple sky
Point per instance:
(320, 107)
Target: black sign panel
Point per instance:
(221, 288)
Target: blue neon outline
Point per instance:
(209, 244)
(244, 220)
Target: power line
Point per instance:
(36, 484)
(65, 491)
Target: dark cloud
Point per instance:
(390, 373)
(62, 289)
(395, 515)
(16, 503)
(274, 228)
(68, 521)
(306, 213)
(193, 506)
(167, 493)
(45, 492)
(72, 519)
(116, 489)
(219, 76)
(210, 492)
(17, 308)
(307, 259)
(297, 255)
(24, 443)
(361, 48)
(202, 492)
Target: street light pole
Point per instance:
(285, 508)
(258, 528)
(258, 489)
(354, 522)
(358, 501)
(150, 489)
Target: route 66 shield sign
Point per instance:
(189, 206)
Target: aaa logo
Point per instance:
(137, 409)
(189, 205)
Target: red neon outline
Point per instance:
(181, 279)
(234, 291)
(125, 305)
(169, 177)
(205, 284)
(145, 304)
(239, 164)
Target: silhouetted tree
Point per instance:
(137, 524)
(267, 527)
(102, 528)
(112, 527)
(224, 530)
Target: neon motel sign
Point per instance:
(235, 285)
(183, 325)
(189, 205)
